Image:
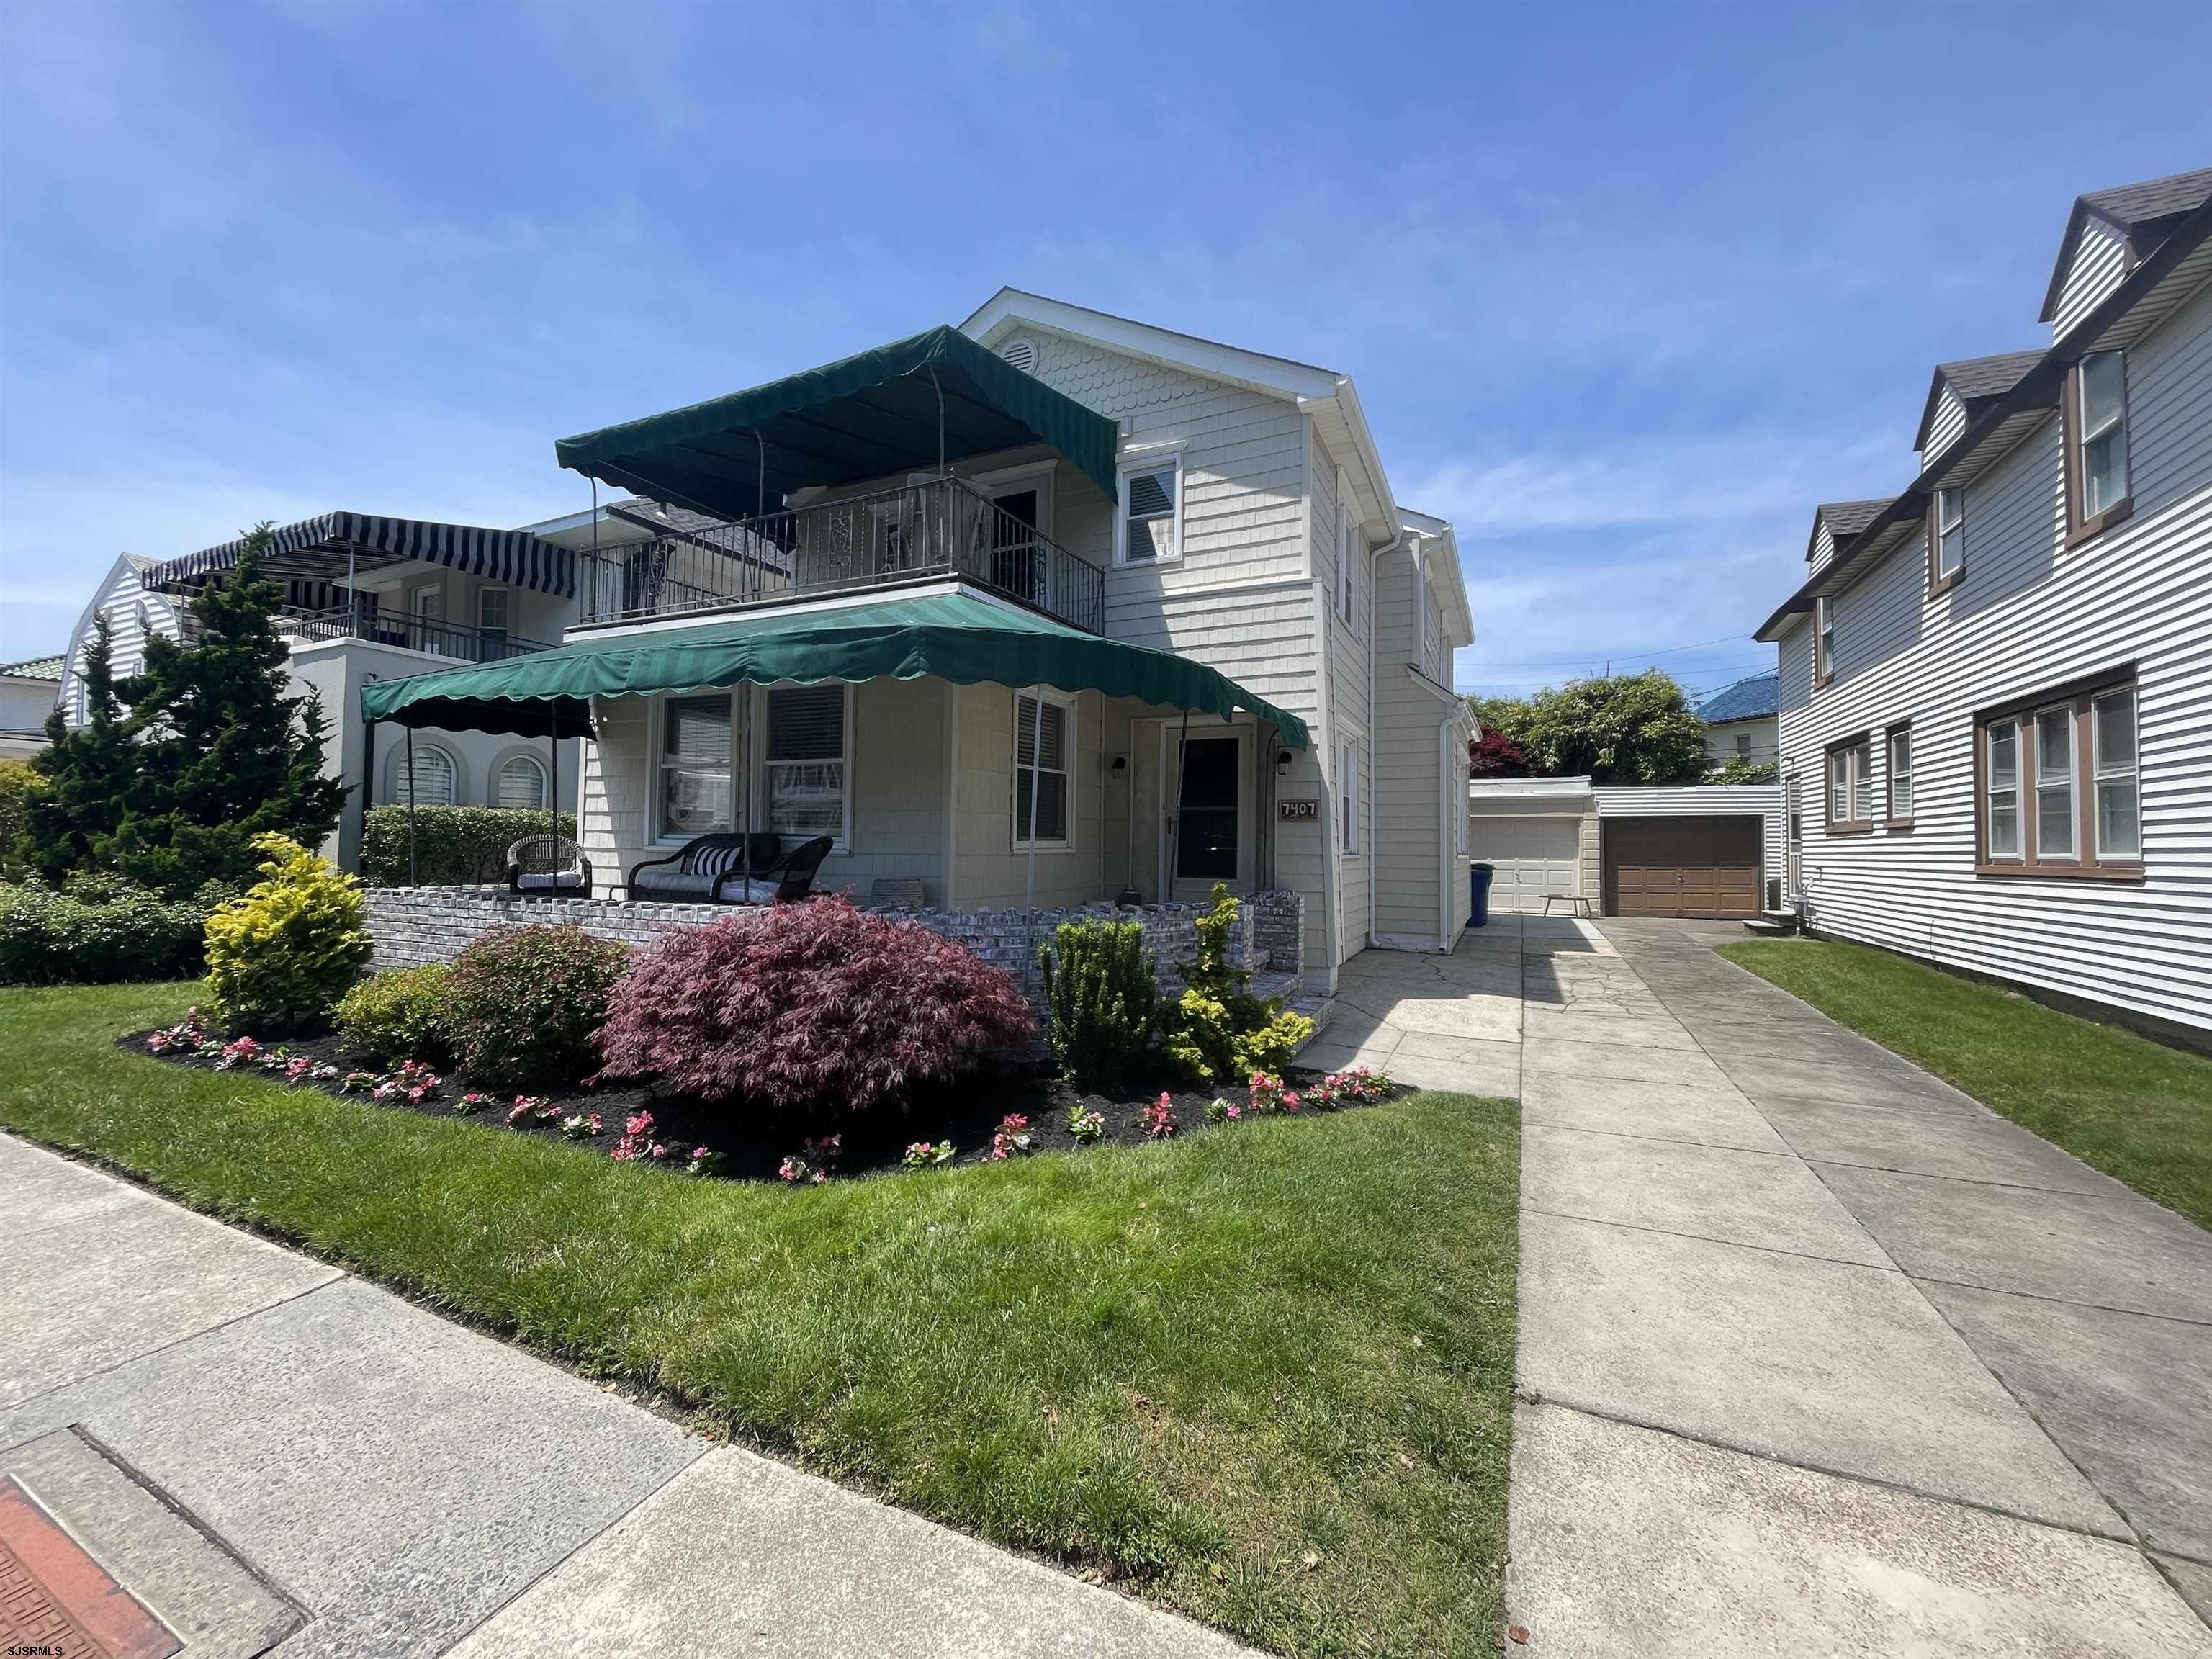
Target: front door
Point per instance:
(425, 609)
(1208, 838)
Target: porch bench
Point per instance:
(702, 871)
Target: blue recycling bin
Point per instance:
(1478, 894)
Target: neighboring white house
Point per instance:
(425, 595)
(1741, 723)
(1997, 688)
(27, 691)
(1244, 641)
(1706, 850)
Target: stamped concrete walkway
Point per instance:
(361, 1477)
(1819, 1357)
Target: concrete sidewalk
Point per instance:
(258, 1447)
(1819, 1356)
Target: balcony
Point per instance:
(431, 636)
(918, 533)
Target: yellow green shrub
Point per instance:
(282, 956)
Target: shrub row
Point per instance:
(454, 846)
(97, 930)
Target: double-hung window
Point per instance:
(803, 771)
(1947, 539)
(2096, 407)
(1350, 554)
(1047, 757)
(695, 765)
(1850, 785)
(2060, 790)
(1824, 641)
(1150, 527)
(1899, 773)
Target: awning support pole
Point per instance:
(940, 419)
(353, 606)
(1175, 821)
(1037, 760)
(553, 798)
(410, 730)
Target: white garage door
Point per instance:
(1534, 856)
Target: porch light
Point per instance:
(1283, 764)
(1120, 766)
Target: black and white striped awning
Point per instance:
(318, 549)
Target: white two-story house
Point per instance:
(1995, 690)
(1049, 609)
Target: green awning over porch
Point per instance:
(872, 416)
(948, 635)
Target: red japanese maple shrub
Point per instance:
(809, 1004)
(1494, 755)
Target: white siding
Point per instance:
(1824, 546)
(132, 612)
(1405, 783)
(1946, 423)
(2099, 265)
(2030, 614)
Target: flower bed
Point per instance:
(1022, 1115)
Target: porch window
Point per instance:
(521, 783)
(694, 766)
(434, 777)
(1051, 749)
(805, 775)
(1151, 513)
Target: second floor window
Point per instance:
(1150, 521)
(1348, 558)
(1948, 552)
(1824, 641)
(2103, 432)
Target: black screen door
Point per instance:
(1205, 835)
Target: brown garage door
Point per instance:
(1696, 867)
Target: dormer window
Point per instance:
(1947, 539)
(2096, 408)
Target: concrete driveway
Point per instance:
(1817, 1355)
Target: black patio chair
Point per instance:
(704, 867)
(548, 865)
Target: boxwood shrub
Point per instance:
(454, 846)
(398, 1016)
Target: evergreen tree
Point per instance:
(84, 775)
(223, 754)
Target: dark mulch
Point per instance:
(965, 1112)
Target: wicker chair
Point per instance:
(548, 865)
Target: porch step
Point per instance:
(1774, 924)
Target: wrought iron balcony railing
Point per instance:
(436, 637)
(943, 527)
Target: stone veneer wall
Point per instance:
(415, 924)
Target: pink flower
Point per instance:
(639, 1124)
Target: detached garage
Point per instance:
(1698, 850)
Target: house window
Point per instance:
(1824, 641)
(2061, 791)
(429, 780)
(803, 771)
(695, 765)
(2103, 382)
(491, 622)
(1347, 775)
(1050, 749)
(1947, 539)
(1850, 785)
(1151, 526)
(1349, 554)
(521, 783)
(1900, 775)
(1743, 746)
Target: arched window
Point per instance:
(521, 783)
(434, 777)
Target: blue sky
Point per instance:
(1626, 290)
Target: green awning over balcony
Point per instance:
(952, 636)
(873, 415)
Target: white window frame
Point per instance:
(657, 739)
(499, 784)
(754, 803)
(1849, 780)
(1152, 458)
(1351, 553)
(2066, 782)
(404, 774)
(1065, 702)
(2116, 427)
(1351, 779)
(2102, 777)
(1898, 779)
(1824, 641)
(1950, 521)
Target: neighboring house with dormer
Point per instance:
(1048, 610)
(1994, 686)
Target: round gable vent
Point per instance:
(1021, 352)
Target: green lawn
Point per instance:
(2131, 1107)
(1263, 1375)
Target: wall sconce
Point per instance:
(1283, 764)
(1120, 765)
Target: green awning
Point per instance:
(952, 636)
(872, 416)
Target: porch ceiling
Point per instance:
(871, 415)
(950, 636)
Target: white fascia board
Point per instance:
(1443, 548)
(1005, 311)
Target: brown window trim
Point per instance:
(1939, 584)
(2079, 529)
(1892, 821)
(2084, 865)
(1863, 744)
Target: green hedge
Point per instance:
(100, 930)
(454, 846)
